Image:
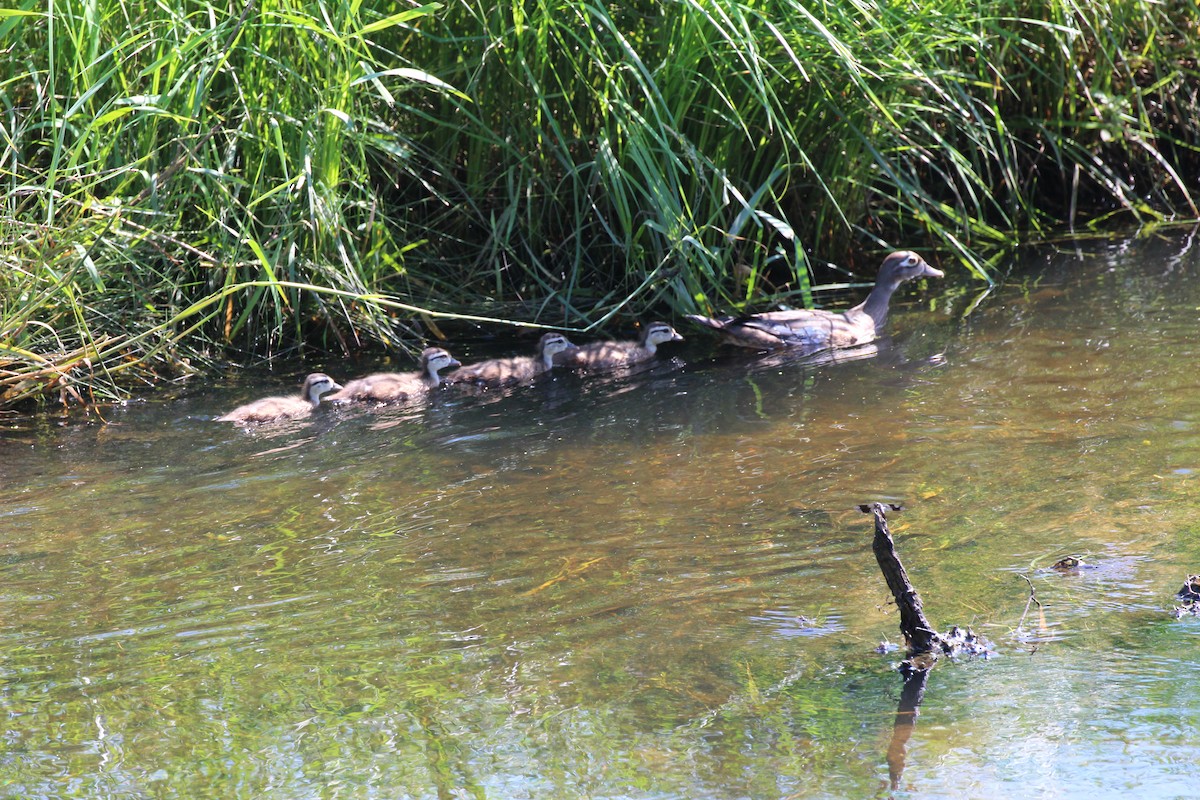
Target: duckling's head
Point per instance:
(435, 359)
(317, 384)
(552, 343)
(905, 265)
(657, 333)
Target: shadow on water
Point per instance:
(650, 586)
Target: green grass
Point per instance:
(191, 181)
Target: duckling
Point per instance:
(500, 372)
(609, 355)
(398, 387)
(818, 329)
(270, 409)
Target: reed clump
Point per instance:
(187, 180)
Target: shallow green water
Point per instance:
(648, 588)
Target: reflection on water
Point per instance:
(655, 586)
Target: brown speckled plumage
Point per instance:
(609, 355)
(816, 328)
(500, 372)
(270, 409)
(398, 387)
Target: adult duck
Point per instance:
(271, 409)
(399, 387)
(817, 329)
(502, 372)
(598, 356)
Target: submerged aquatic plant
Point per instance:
(185, 179)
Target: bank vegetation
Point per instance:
(186, 183)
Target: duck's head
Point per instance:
(317, 384)
(657, 333)
(552, 343)
(435, 359)
(905, 265)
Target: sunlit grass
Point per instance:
(192, 180)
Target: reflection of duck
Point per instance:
(819, 329)
(607, 355)
(511, 371)
(269, 409)
(398, 387)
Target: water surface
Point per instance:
(651, 587)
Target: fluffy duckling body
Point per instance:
(611, 355)
(503, 372)
(270, 409)
(816, 328)
(398, 387)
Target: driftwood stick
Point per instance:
(919, 635)
(1032, 599)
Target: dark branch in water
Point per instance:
(921, 638)
(925, 644)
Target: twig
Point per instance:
(1032, 599)
(568, 571)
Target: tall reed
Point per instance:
(187, 180)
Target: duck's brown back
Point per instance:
(603, 355)
(269, 409)
(808, 328)
(384, 387)
(498, 371)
